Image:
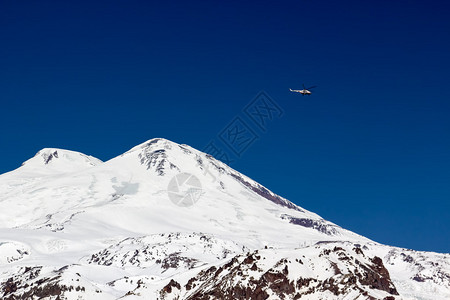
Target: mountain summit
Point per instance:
(166, 221)
(52, 160)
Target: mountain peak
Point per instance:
(155, 143)
(165, 157)
(60, 160)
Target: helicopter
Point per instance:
(305, 91)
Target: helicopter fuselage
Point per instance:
(305, 92)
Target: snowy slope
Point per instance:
(71, 225)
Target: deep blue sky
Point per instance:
(369, 150)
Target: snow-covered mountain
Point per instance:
(165, 221)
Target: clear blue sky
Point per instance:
(369, 150)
